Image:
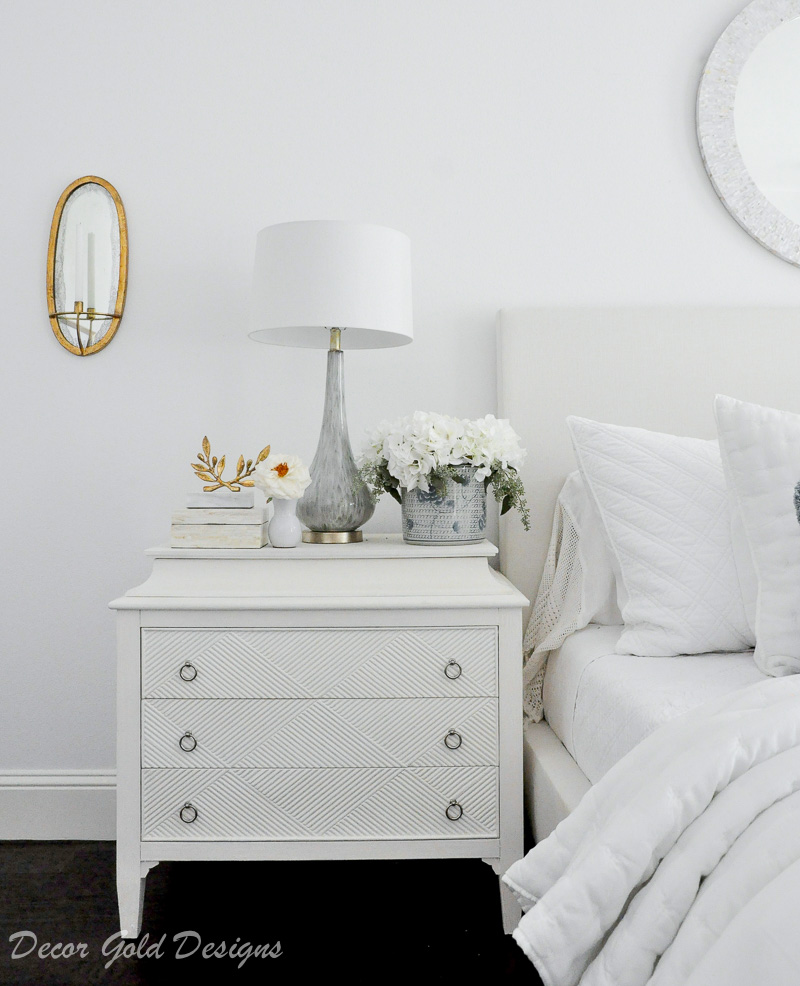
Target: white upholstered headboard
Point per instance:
(656, 368)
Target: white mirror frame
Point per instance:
(716, 132)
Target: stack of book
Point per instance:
(213, 521)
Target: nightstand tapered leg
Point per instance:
(131, 876)
(511, 783)
(510, 909)
(131, 871)
(512, 912)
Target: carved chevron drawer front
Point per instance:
(319, 733)
(320, 663)
(347, 803)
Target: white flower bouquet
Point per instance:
(421, 450)
(282, 477)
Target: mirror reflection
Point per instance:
(767, 117)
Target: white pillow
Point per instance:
(761, 453)
(664, 508)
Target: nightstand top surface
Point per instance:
(377, 546)
(382, 572)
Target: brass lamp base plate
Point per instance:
(332, 537)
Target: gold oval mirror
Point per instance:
(87, 266)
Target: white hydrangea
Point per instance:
(488, 441)
(373, 444)
(414, 446)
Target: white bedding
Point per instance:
(601, 704)
(682, 864)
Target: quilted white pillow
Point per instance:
(664, 508)
(761, 452)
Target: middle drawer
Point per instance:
(319, 732)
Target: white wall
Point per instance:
(534, 152)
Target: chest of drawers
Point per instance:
(358, 701)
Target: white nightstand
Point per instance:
(322, 702)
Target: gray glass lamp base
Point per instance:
(334, 507)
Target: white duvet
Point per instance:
(681, 866)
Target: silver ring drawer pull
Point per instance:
(452, 670)
(453, 740)
(454, 811)
(187, 743)
(189, 813)
(188, 671)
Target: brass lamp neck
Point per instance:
(336, 340)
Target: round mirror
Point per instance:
(87, 266)
(748, 123)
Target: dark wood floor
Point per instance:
(428, 922)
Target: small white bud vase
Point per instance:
(458, 517)
(284, 529)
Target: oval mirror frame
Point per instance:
(716, 132)
(122, 284)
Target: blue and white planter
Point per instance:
(458, 517)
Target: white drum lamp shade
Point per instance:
(313, 276)
(336, 286)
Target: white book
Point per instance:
(218, 535)
(248, 515)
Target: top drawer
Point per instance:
(348, 663)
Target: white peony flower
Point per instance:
(283, 477)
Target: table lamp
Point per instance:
(334, 285)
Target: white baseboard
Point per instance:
(58, 804)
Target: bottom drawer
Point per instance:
(317, 803)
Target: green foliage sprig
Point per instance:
(509, 492)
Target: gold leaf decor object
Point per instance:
(209, 469)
